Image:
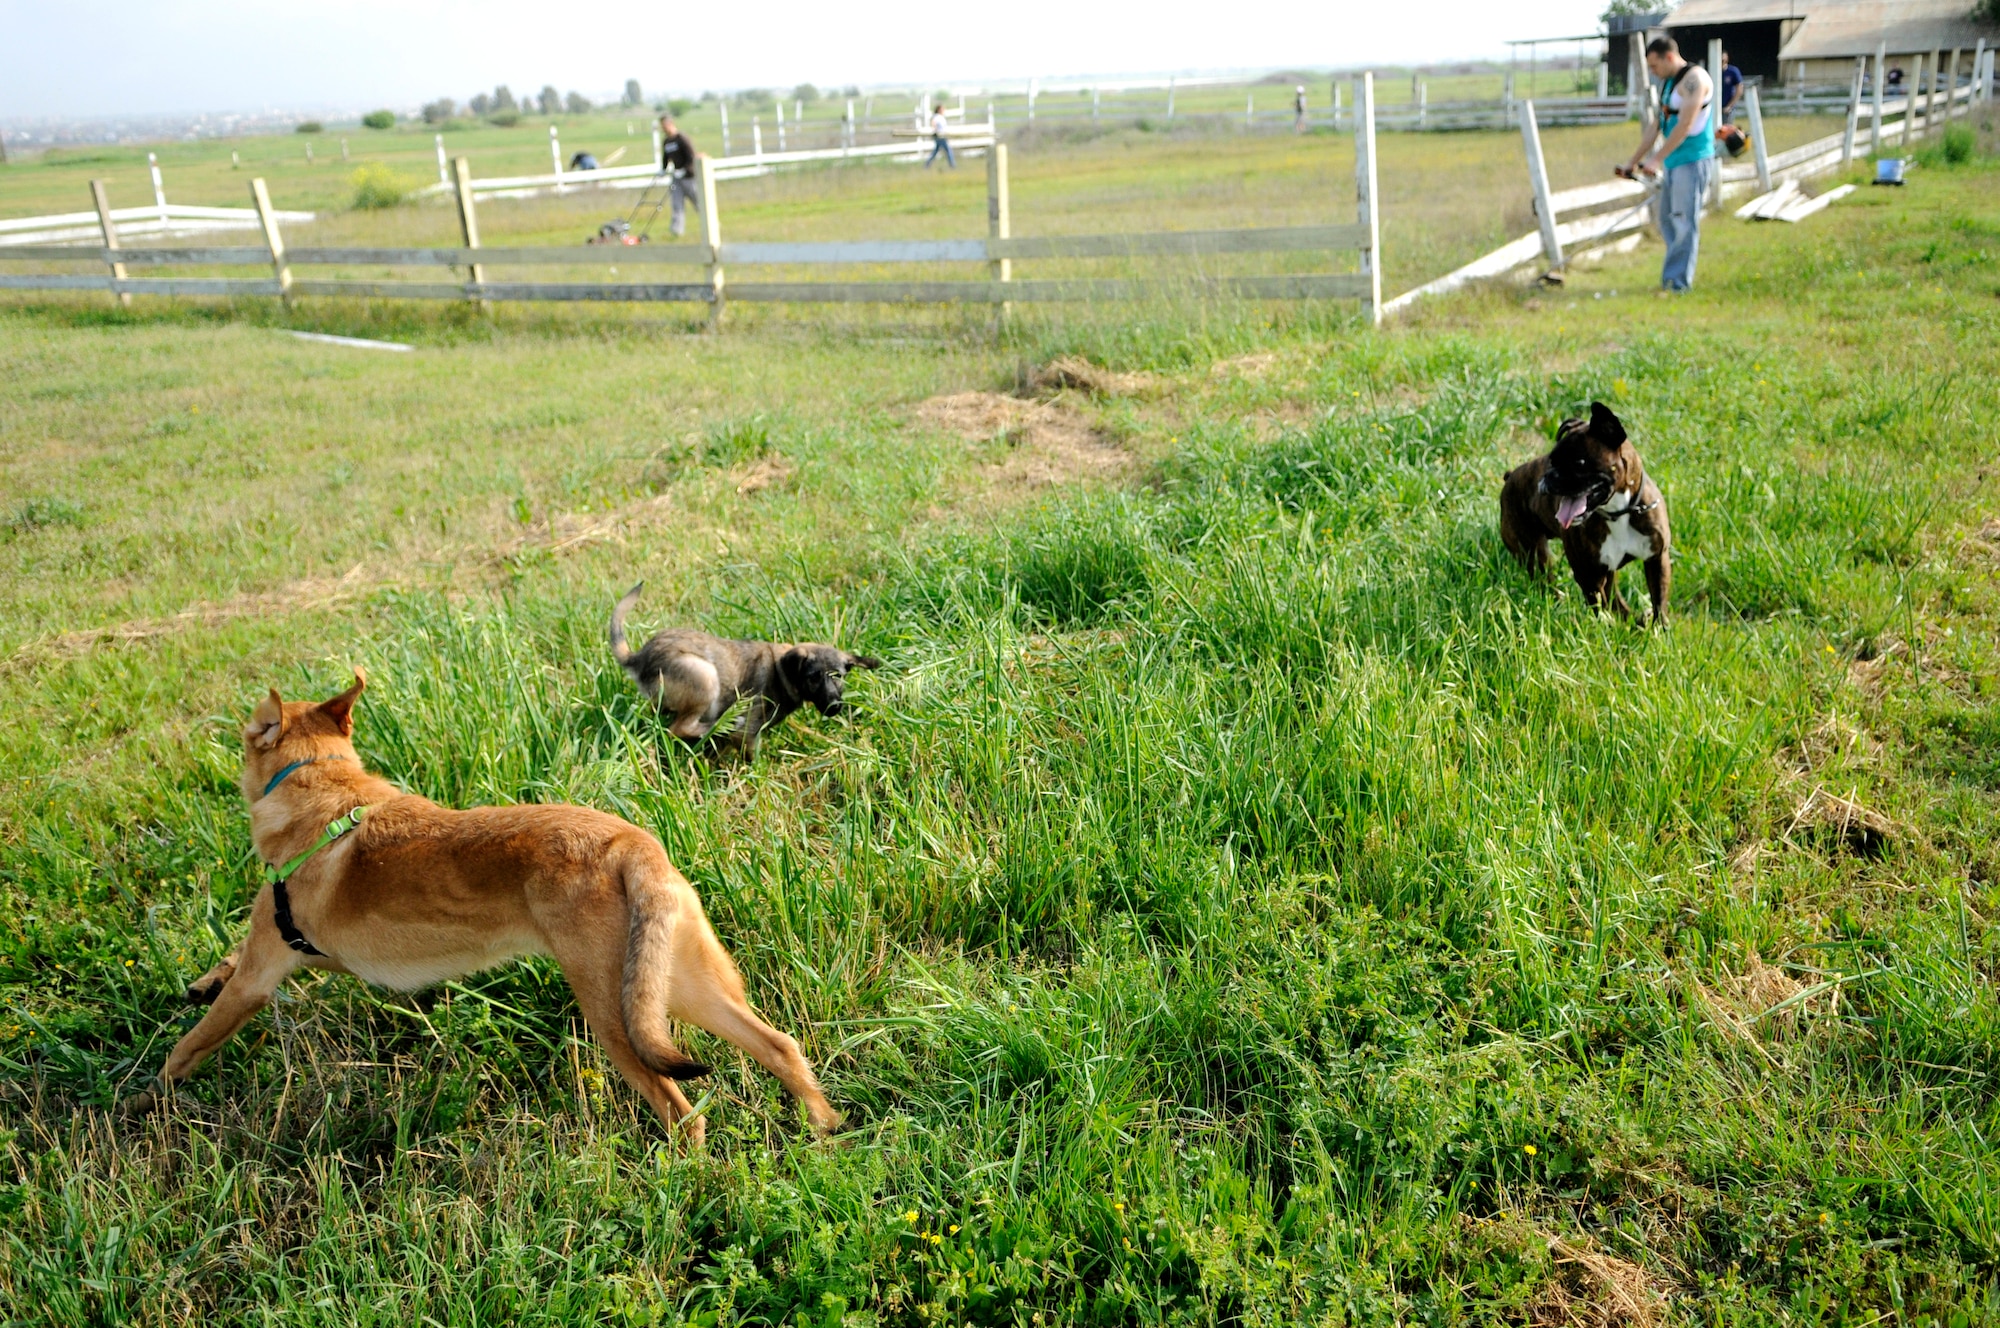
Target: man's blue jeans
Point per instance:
(1678, 211)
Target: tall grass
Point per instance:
(1246, 897)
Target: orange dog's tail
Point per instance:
(619, 650)
(649, 967)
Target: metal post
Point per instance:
(1715, 111)
(999, 218)
(444, 171)
(160, 188)
(711, 225)
(1881, 77)
(780, 109)
(1096, 103)
(725, 129)
(1423, 103)
(1853, 112)
(1756, 112)
(1367, 198)
(1507, 102)
(1249, 109)
(1538, 183)
(1170, 100)
(110, 229)
(275, 242)
(757, 137)
(555, 157)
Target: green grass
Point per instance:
(1245, 897)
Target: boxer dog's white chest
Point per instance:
(1623, 544)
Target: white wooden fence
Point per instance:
(1594, 215)
(716, 259)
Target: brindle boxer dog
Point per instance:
(366, 879)
(1592, 493)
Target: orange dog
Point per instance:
(368, 880)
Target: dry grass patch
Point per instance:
(1590, 1287)
(300, 596)
(1843, 821)
(1048, 442)
(1073, 373)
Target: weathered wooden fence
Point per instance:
(715, 258)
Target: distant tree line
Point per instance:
(501, 107)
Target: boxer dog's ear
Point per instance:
(1605, 425)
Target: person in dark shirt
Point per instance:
(680, 163)
(1732, 88)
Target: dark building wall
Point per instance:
(1753, 47)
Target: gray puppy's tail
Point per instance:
(619, 650)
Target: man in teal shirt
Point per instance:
(1685, 159)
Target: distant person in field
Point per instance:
(940, 138)
(1732, 88)
(1299, 109)
(1684, 157)
(680, 161)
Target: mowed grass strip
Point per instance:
(1246, 897)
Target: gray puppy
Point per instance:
(693, 678)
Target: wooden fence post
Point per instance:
(1853, 112)
(1170, 101)
(1368, 197)
(110, 229)
(779, 107)
(1756, 110)
(1881, 77)
(1538, 181)
(711, 226)
(1951, 86)
(555, 156)
(468, 222)
(444, 169)
(272, 240)
(724, 108)
(999, 219)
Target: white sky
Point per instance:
(123, 57)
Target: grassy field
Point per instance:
(1244, 898)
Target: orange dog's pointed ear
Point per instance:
(267, 722)
(340, 709)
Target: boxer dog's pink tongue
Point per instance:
(1570, 509)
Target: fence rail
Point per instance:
(999, 250)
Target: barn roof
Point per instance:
(1835, 28)
(1706, 12)
(1838, 28)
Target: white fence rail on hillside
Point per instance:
(999, 250)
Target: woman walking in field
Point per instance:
(940, 138)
